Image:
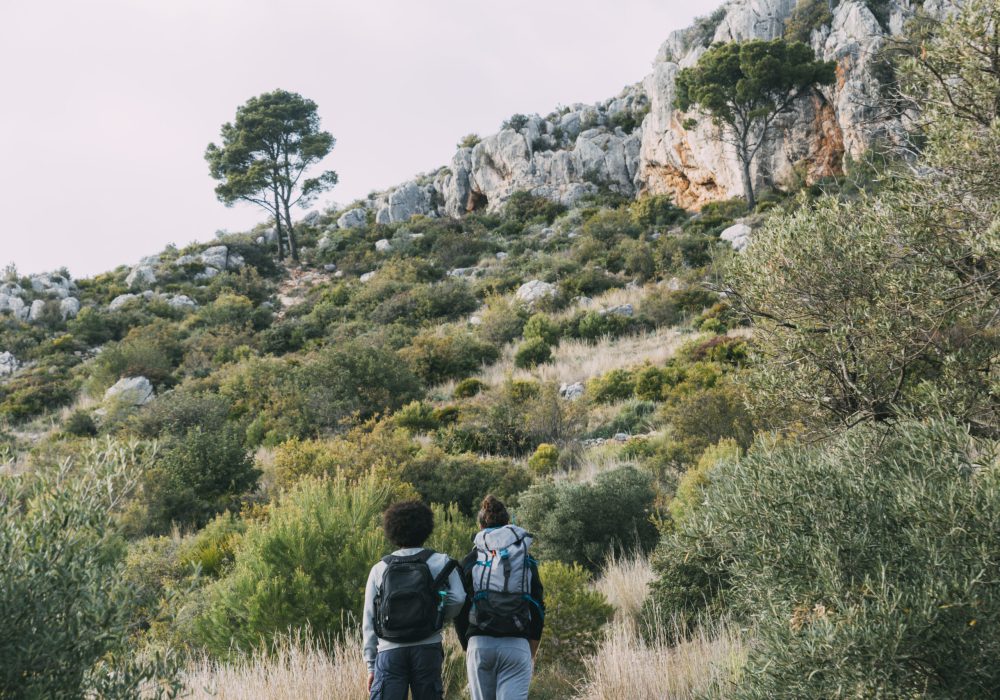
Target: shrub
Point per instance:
(543, 327)
(65, 606)
(151, 351)
(80, 424)
(468, 388)
(306, 564)
(531, 353)
(526, 208)
(213, 549)
(371, 447)
(656, 210)
(854, 558)
(502, 321)
(177, 411)
(463, 479)
(468, 141)
(701, 418)
(616, 385)
(691, 487)
(587, 522)
(417, 417)
(634, 417)
(545, 459)
(196, 476)
(437, 356)
(575, 613)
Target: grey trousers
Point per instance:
(499, 668)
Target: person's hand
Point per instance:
(371, 679)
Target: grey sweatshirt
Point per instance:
(453, 603)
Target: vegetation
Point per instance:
(770, 474)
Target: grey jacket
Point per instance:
(452, 604)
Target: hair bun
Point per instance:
(492, 512)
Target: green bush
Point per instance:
(543, 327)
(807, 16)
(867, 563)
(575, 613)
(700, 419)
(468, 387)
(656, 210)
(80, 424)
(616, 385)
(463, 479)
(305, 564)
(437, 356)
(196, 476)
(417, 417)
(502, 320)
(151, 351)
(66, 608)
(176, 411)
(545, 459)
(586, 522)
(531, 353)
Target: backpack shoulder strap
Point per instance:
(442, 577)
(421, 557)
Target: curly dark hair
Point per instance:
(408, 523)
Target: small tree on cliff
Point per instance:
(264, 154)
(745, 86)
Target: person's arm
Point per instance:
(370, 639)
(455, 599)
(537, 621)
(462, 619)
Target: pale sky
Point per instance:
(107, 105)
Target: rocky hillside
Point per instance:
(637, 142)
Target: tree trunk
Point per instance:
(277, 226)
(747, 182)
(292, 248)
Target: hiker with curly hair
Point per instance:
(409, 596)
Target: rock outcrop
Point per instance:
(638, 143)
(133, 391)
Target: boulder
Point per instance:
(120, 301)
(571, 391)
(311, 218)
(11, 289)
(330, 267)
(368, 276)
(353, 218)
(502, 255)
(187, 260)
(36, 311)
(52, 284)
(383, 245)
(535, 290)
(141, 276)
(620, 310)
(134, 391)
(182, 301)
(218, 257)
(403, 202)
(69, 307)
(8, 363)
(737, 235)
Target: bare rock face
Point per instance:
(841, 119)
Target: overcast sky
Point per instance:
(107, 105)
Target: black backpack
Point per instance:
(409, 604)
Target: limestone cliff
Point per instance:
(637, 142)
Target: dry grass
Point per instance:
(626, 667)
(298, 669)
(578, 360)
(625, 583)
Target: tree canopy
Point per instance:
(264, 155)
(745, 86)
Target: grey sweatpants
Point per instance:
(499, 668)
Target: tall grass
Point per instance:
(626, 667)
(625, 583)
(295, 668)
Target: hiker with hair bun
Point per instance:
(501, 623)
(409, 596)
